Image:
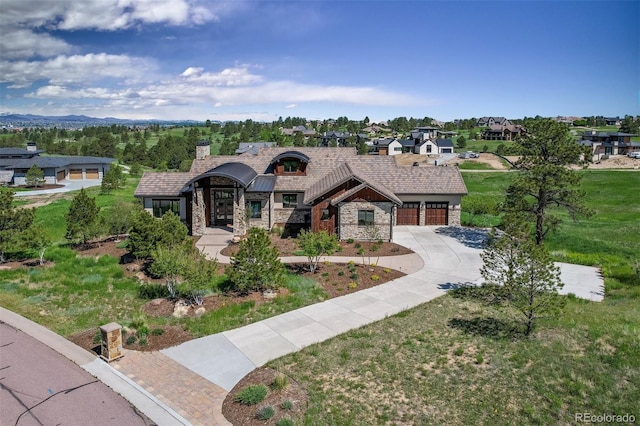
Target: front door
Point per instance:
(223, 207)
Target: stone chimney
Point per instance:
(31, 147)
(202, 150)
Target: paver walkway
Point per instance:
(195, 398)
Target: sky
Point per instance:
(260, 60)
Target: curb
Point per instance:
(153, 408)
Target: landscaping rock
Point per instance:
(200, 311)
(181, 309)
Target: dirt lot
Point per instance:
(614, 162)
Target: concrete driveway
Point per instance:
(447, 258)
(69, 185)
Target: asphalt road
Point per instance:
(38, 386)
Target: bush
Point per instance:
(252, 394)
(157, 332)
(265, 413)
(281, 381)
(375, 278)
(350, 241)
(153, 291)
(256, 266)
(287, 405)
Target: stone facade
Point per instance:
(198, 215)
(348, 220)
(265, 201)
(454, 215)
(297, 216)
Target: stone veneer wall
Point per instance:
(292, 216)
(198, 219)
(264, 221)
(454, 214)
(348, 221)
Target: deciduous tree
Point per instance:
(314, 245)
(34, 176)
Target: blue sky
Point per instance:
(237, 59)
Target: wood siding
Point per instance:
(436, 214)
(408, 214)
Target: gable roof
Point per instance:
(342, 174)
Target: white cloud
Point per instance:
(75, 69)
(198, 88)
(24, 25)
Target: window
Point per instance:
(160, 207)
(290, 166)
(397, 149)
(289, 201)
(428, 148)
(365, 217)
(325, 214)
(255, 209)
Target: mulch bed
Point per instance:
(247, 415)
(288, 246)
(171, 335)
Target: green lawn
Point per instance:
(454, 361)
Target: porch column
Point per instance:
(198, 218)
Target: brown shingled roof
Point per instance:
(327, 167)
(162, 184)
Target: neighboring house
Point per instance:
(333, 138)
(16, 162)
(491, 121)
(445, 146)
(253, 147)
(612, 121)
(298, 129)
(609, 143)
(332, 189)
(497, 132)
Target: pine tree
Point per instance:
(522, 274)
(14, 223)
(256, 266)
(81, 218)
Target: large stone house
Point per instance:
(334, 189)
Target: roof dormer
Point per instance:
(290, 163)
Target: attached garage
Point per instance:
(93, 174)
(436, 213)
(446, 150)
(75, 173)
(61, 175)
(408, 214)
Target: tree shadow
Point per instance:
(491, 327)
(470, 237)
(456, 287)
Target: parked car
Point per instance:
(469, 154)
(634, 154)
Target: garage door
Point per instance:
(61, 175)
(436, 213)
(447, 150)
(408, 214)
(93, 174)
(75, 173)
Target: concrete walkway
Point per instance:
(446, 257)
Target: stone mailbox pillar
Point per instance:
(111, 341)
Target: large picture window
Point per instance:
(255, 209)
(365, 218)
(160, 207)
(289, 201)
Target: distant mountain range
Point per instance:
(75, 121)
